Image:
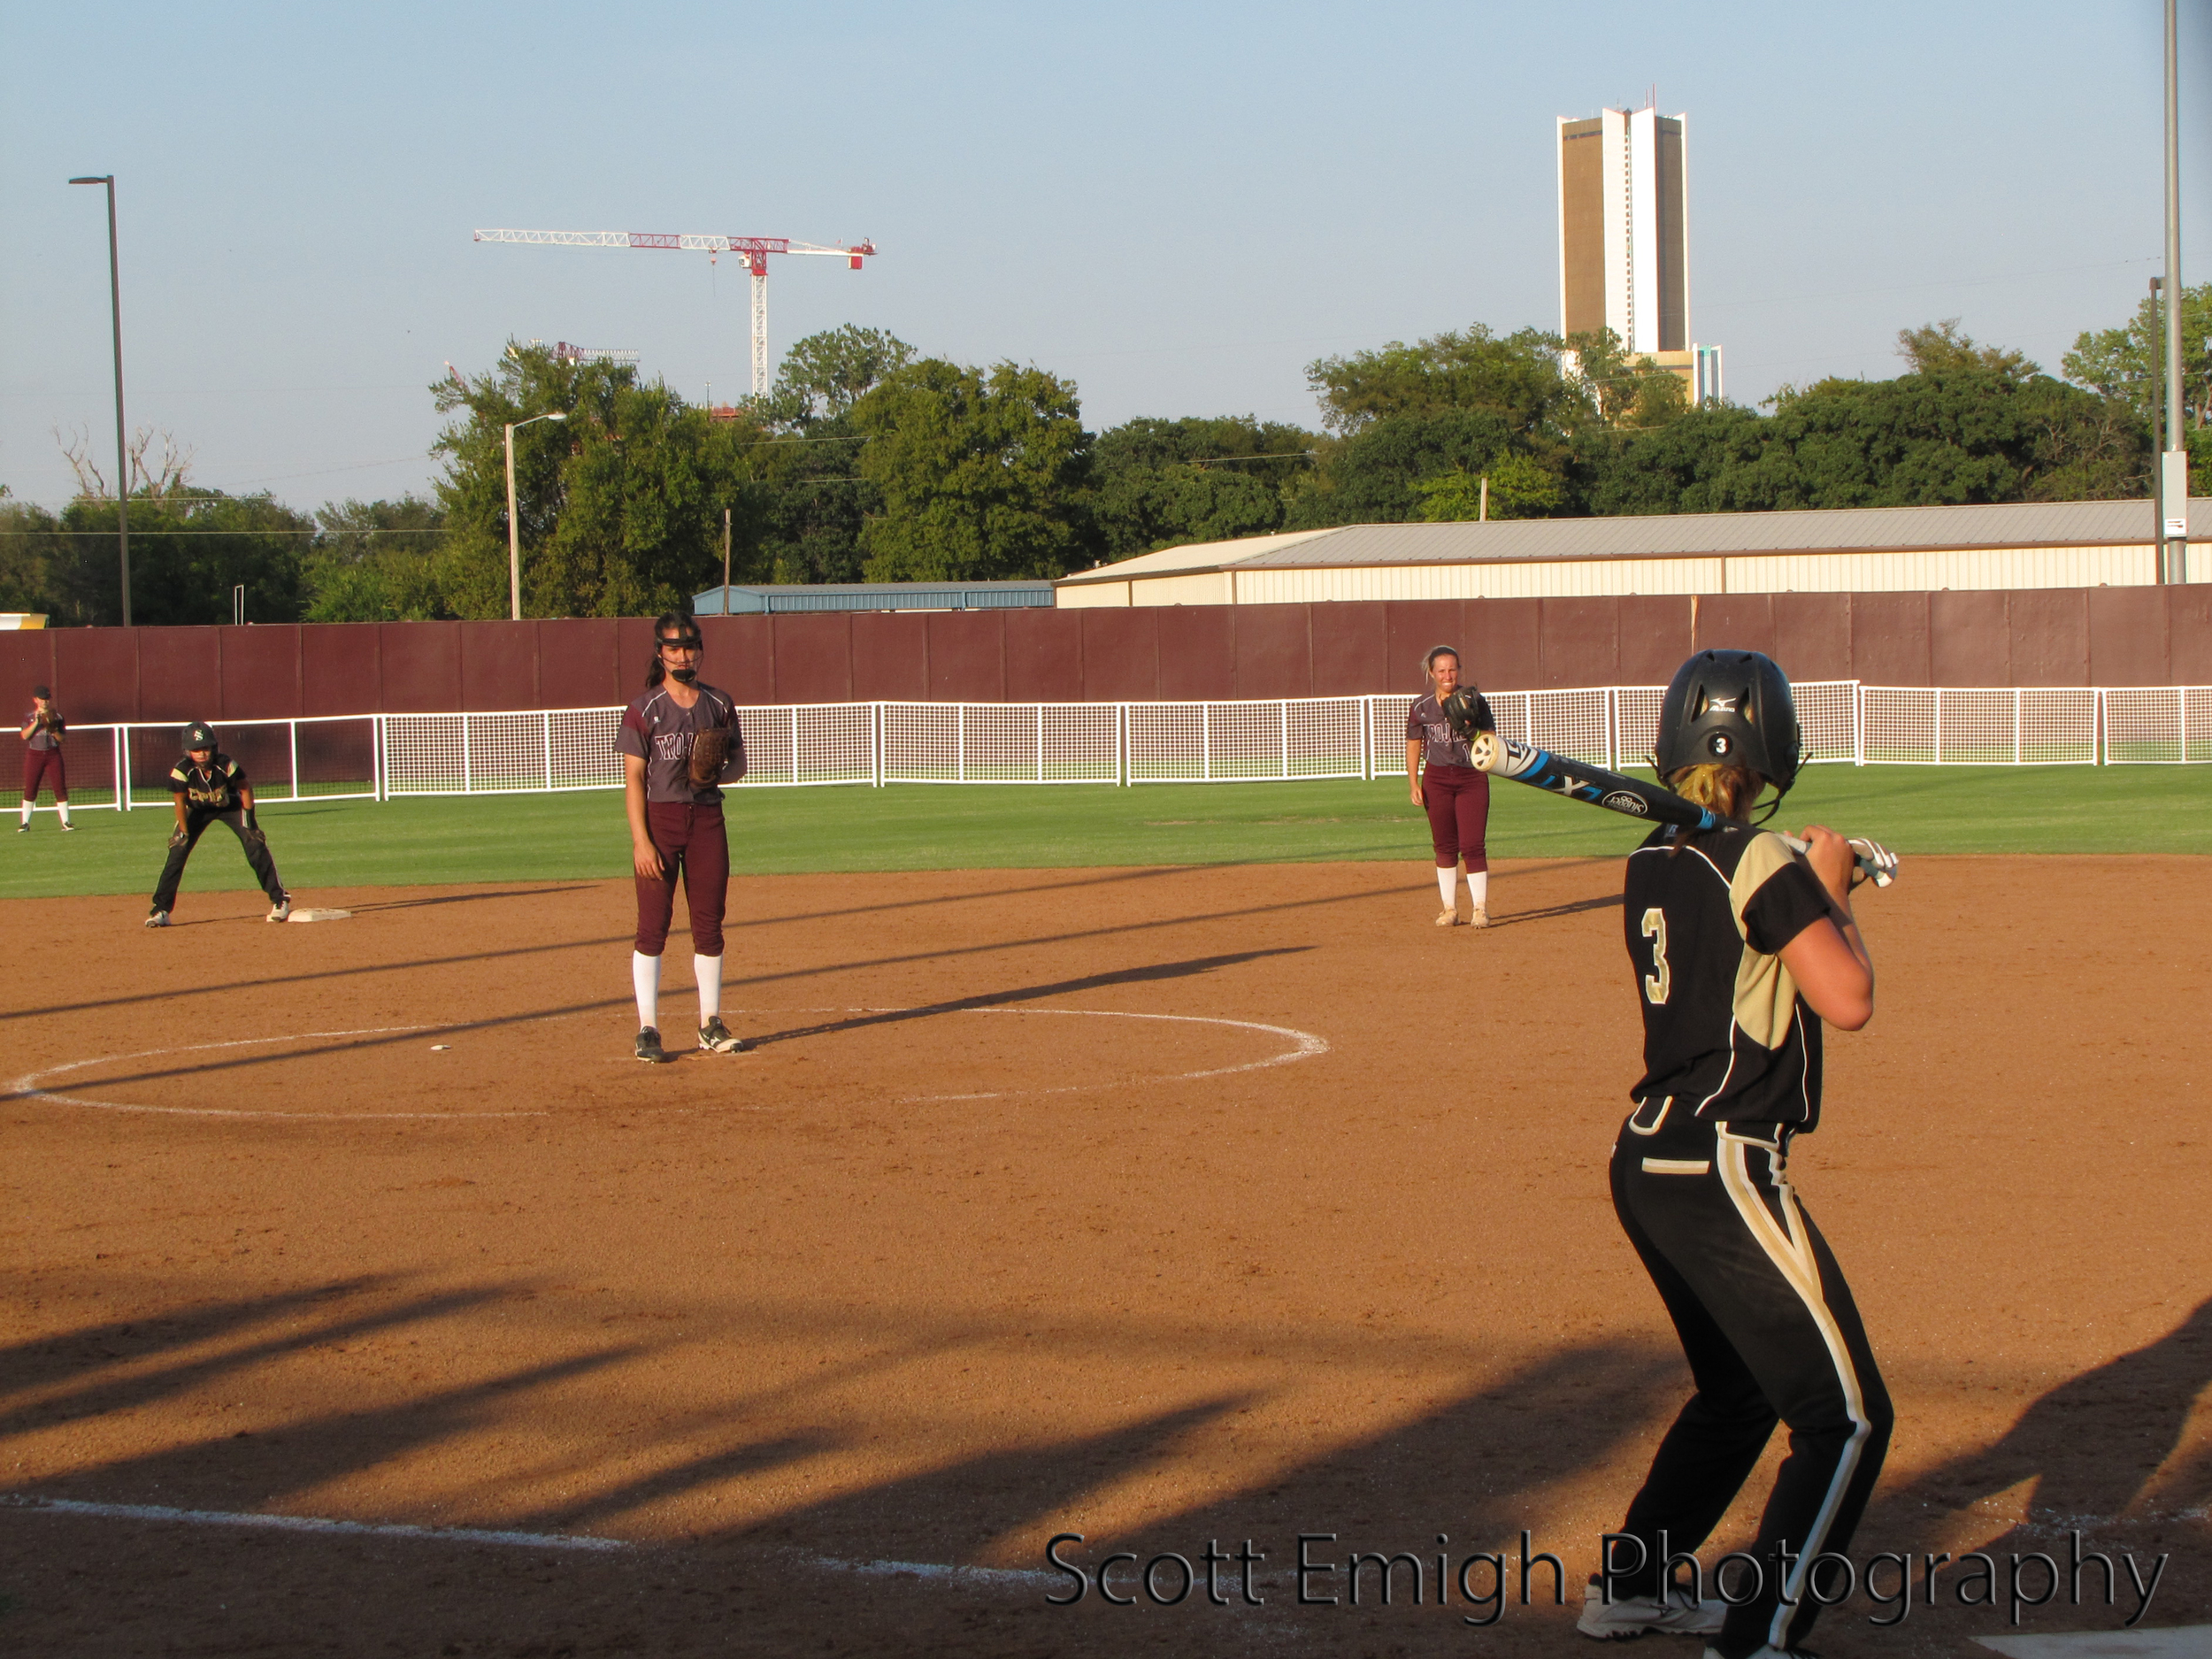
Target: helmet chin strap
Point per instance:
(684, 676)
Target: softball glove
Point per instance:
(710, 752)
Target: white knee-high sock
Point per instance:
(1479, 887)
(26, 812)
(645, 978)
(707, 971)
(1446, 883)
(63, 808)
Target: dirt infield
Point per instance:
(1158, 1205)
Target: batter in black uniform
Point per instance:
(209, 787)
(1740, 949)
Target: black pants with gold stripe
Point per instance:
(1770, 1332)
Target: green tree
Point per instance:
(2127, 363)
(807, 456)
(620, 506)
(191, 548)
(1518, 488)
(1938, 348)
(1163, 482)
(1516, 376)
(375, 561)
(983, 474)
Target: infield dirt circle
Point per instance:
(1159, 1206)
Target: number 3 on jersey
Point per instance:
(1658, 983)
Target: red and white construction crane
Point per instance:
(755, 249)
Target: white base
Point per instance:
(2187, 1641)
(317, 916)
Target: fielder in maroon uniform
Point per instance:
(676, 826)
(1455, 793)
(42, 728)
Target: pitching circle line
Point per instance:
(1305, 1046)
(26, 1087)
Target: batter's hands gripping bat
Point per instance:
(1540, 769)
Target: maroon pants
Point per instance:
(1458, 800)
(689, 838)
(39, 764)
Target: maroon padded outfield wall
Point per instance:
(2104, 636)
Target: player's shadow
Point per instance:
(1553, 912)
(2100, 1448)
(1150, 973)
(373, 907)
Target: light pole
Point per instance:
(122, 454)
(514, 526)
(2173, 464)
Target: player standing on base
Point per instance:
(679, 742)
(42, 757)
(1739, 949)
(208, 787)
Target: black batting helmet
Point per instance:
(198, 734)
(1731, 708)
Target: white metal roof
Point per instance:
(1670, 535)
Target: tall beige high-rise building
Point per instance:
(1625, 239)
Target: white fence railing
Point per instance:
(383, 756)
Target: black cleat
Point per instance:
(649, 1046)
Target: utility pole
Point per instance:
(2173, 462)
(122, 451)
(514, 521)
(725, 561)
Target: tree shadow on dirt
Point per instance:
(2100, 1447)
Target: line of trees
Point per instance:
(869, 462)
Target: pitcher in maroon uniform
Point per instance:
(1455, 793)
(676, 826)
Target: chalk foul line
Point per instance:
(311, 1523)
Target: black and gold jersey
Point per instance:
(1726, 1032)
(213, 787)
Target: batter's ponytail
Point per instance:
(1730, 791)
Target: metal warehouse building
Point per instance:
(1873, 549)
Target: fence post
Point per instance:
(960, 742)
(1206, 742)
(377, 768)
(1858, 723)
(1121, 742)
(122, 767)
(2016, 726)
(1282, 738)
(2181, 695)
(1939, 725)
(1040, 742)
(548, 750)
(875, 742)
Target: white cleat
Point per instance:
(1681, 1614)
(281, 910)
(159, 918)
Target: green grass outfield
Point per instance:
(980, 826)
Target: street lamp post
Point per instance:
(514, 526)
(2173, 464)
(122, 453)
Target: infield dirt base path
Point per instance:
(1156, 1205)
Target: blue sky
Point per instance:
(1177, 206)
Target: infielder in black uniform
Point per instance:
(1741, 949)
(209, 786)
